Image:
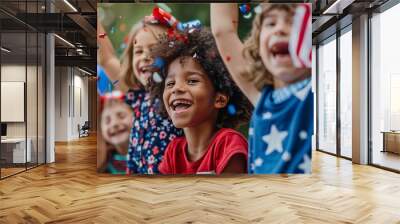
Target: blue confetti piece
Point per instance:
(231, 109)
(244, 8)
(194, 24)
(158, 63)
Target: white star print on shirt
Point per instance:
(286, 156)
(274, 140)
(251, 131)
(303, 135)
(306, 165)
(266, 115)
(258, 162)
(302, 94)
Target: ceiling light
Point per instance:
(70, 5)
(84, 71)
(5, 49)
(338, 6)
(65, 41)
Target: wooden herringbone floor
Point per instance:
(70, 191)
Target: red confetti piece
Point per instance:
(102, 35)
(234, 21)
(126, 39)
(228, 58)
(247, 7)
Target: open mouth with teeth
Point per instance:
(280, 49)
(145, 71)
(180, 105)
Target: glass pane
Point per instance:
(31, 100)
(346, 94)
(327, 97)
(385, 86)
(41, 99)
(13, 86)
(314, 84)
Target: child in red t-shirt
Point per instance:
(200, 97)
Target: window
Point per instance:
(385, 89)
(346, 74)
(327, 96)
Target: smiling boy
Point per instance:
(196, 91)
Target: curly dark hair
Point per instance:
(200, 45)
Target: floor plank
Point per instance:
(70, 191)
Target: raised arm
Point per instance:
(107, 58)
(224, 22)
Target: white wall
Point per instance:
(70, 83)
(13, 73)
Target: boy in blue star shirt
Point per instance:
(282, 122)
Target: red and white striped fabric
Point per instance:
(300, 44)
(164, 17)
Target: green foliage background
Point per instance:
(128, 14)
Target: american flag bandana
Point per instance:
(164, 17)
(300, 44)
(114, 95)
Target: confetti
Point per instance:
(123, 46)
(231, 109)
(258, 9)
(195, 55)
(194, 24)
(112, 30)
(126, 39)
(171, 44)
(228, 58)
(156, 77)
(245, 10)
(158, 63)
(248, 16)
(102, 35)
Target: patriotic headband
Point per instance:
(114, 95)
(300, 46)
(167, 19)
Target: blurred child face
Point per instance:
(189, 96)
(274, 47)
(116, 123)
(142, 61)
